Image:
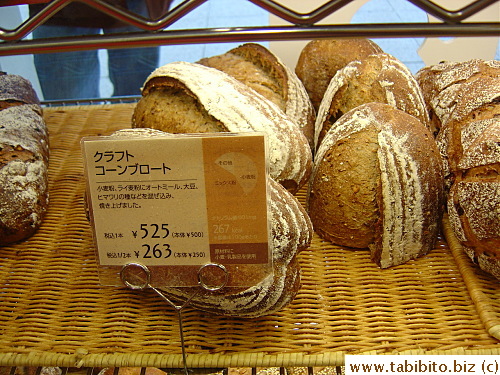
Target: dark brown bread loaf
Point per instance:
(377, 78)
(192, 98)
(320, 60)
(259, 68)
(291, 232)
(24, 155)
(377, 182)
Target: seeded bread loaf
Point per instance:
(320, 59)
(24, 155)
(377, 78)
(377, 182)
(191, 98)
(259, 68)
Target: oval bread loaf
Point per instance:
(24, 157)
(320, 59)
(257, 67)
(377, 182)
(191, 98)
(377, 78)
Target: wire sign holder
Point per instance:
(174, 211)
(137, 276)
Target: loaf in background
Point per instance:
(191, 98)
(258, 68)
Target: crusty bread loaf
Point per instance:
(24, 155)
(377, 78)
(377, 182)
(16, 90)
(320, 60)
(471, 101)
(473, 155)
(191, 98)
(291, 232)
(441, 84)
(257, 67)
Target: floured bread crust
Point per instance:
(291, 232)
(260, 69)
(24, 157)
(377, 78)
(391, 184)
(191, 98)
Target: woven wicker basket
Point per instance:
(53, 311)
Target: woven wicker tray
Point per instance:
(53, 311)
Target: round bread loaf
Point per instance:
(441, 84)
(377, 78)
(377, 182)
(291, 232)
(24, 156)
(191, 98)
(320, 60)
(257, 67)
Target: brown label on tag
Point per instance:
(235, 183)
(176, 202)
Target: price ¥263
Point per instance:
(153, 231)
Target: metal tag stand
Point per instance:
(137, 276)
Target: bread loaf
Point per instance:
(320, 60)
(377, 78)
(24, 155)
(291, 232)
(472, 150)
(377, 182)
(442, 83)
(260, 69)
(191, 98)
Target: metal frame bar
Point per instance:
(303, 27)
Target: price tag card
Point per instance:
(176, 203)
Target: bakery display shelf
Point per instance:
(53, 312)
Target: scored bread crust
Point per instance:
(378, 78)
(409, 188)
(441, 84)
(24, 158)
(291, 232)
(320, 59)
(257, 67)
(219, 102)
